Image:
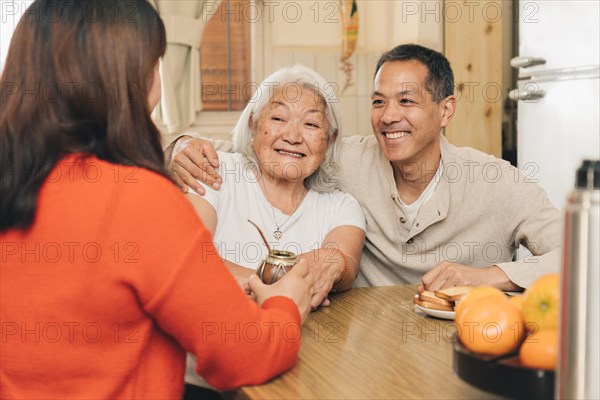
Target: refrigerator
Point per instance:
(557, 92)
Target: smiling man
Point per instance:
(436, 214)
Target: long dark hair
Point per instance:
(76, 79)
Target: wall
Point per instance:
(478, 44)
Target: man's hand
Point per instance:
(192, 160)
(447, 274)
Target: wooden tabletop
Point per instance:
(371, 343)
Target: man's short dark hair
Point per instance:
(440, 79)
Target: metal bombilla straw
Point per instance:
(262, 235)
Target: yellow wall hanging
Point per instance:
(349, 10)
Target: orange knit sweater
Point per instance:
(114, 282)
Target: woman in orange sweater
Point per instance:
(104, 283)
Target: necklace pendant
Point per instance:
(277, 233)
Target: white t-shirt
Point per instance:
(411, 210)
(241, 198)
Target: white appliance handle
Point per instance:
(524, 62)
(526, 95)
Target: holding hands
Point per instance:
(297, 284)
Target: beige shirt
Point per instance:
(481, 211)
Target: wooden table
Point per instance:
(370, 343)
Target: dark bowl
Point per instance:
(505, 375)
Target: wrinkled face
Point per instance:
(290, 137)
(405, 119)
(155, 89)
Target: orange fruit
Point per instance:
(541, 303)
(539, 350)
(492, 325)
(472, 297)
(517, 301)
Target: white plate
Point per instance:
(436, 313)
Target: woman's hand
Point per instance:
(195, 159)
(242, 275)
(335, 264)
(327, 267)
(296, 284)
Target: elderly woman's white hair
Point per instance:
(322, 180)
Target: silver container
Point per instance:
(275, 265)
(579, 350)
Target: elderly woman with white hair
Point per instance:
(279, 176)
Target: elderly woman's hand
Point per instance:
(327, 270)
(195, 159)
